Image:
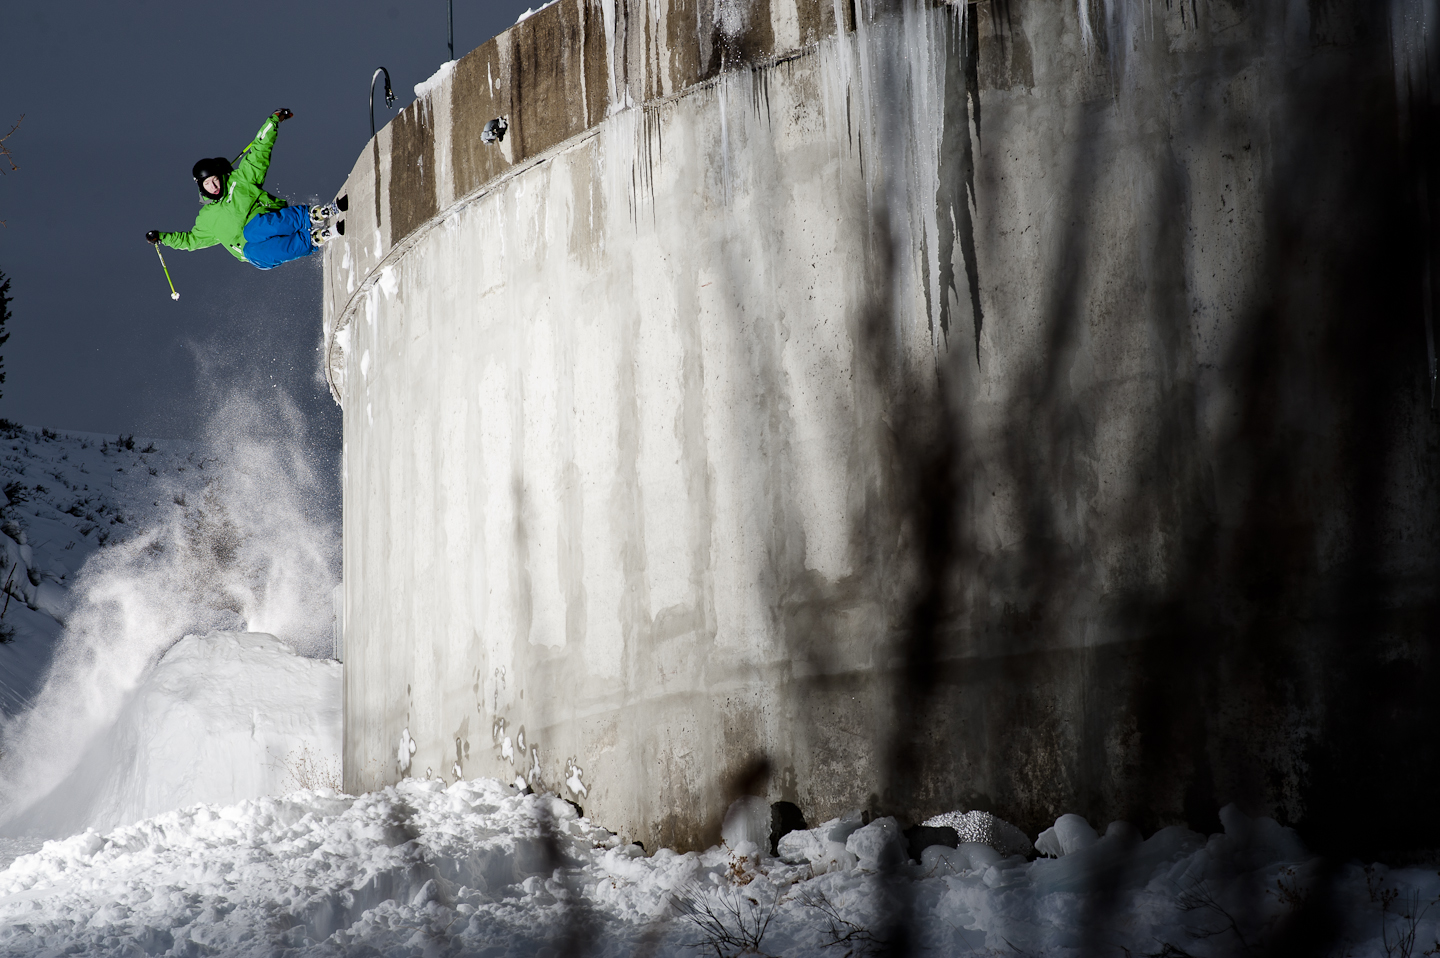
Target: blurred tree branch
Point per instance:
(5, 151)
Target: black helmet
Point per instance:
(214, 166)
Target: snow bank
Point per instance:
(220, 718)
(479, 868)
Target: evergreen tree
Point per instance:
(4, 318)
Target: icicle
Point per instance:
(1410, 41)
(607, 10)
(1087, 31)
(723, 99)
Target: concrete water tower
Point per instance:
(904, 405)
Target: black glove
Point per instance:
(283, 115)
(153, 236)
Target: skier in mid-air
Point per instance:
(256, 228)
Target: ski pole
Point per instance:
(173, 294)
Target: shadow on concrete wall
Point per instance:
(1267, 616)
(1285, 658)
(1299, 577)
(1280, 650)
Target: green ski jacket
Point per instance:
(223, 221)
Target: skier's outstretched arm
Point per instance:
(255, 162)
(192, 240)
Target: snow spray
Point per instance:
(173, 294)
(251, 551)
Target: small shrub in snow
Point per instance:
(744, 864)
(842, 930)
(1215, 920)
(1289, 890)
(306, 768)
(727, 921)
(1399, 924)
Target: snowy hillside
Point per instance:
(116, 551)
(65, 496)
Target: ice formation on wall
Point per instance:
(406, 751)
(573, 779)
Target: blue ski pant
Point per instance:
(278, 237)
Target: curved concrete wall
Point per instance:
(870, 409)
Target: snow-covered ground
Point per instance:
(477, 868)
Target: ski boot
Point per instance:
(319, 214)
(321, 235)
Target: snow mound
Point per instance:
(220, 718)
(985, 829)
(480, 868)
(878, 846)
(823, 848)
(1070, 833)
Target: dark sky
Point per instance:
(120, 99)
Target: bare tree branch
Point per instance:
(5, 151)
